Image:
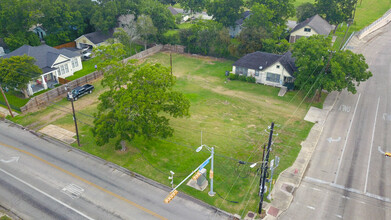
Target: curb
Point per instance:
(119, 168)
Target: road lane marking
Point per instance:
(72, 190)
(330, 139)
(370, 152)
(346, 141)
(86, 181)
(47, 195)
(339, 216)
(10, 160)
(370, 195)
(316, 189)
(310, 207)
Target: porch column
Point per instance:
(29, 89)
(56, 75)
(45, 86)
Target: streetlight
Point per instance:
(211, 150)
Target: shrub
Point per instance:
(250, 79)
(233, 76)
(242, 78)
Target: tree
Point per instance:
(18, 71)
(261, 16)
(14, 41)
(127, 33)
(275, 46)
(168, 2)
(251, 39)
(225, 11)
(161, 17)
(193, 5)
(321, 68)
(280, 9)
(336, 11)
(304, 11)
(146, 29)
(137, 104)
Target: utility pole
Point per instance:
(74, 118)
(264, 169)
(171, 64)
(6, 101)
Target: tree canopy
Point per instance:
(321, 68)
(226, 11)
(139, 102)
(17, 72)
(305, 10)
(193, 5)
(280, 10)
(336, 11)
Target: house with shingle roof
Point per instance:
(53, 62)
(267, 68)
(311, 26)
(93, 39)
(237, 28)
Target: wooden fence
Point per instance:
(70, 44)
(60, 92)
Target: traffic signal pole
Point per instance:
(264, 168)
(173, 192)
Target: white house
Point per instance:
(267, 68)
(53, 62)
(93, 39)
(311, 26)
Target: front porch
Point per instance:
(45, 81)
(39, 87)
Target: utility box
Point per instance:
(201, 180)
(201, 183)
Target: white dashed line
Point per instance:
(339, 216)
(316, 189)
(310, 207)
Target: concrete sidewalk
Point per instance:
(5, 112)
(290, 178)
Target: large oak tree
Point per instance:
(18, 71)
(321, 68)
(139, 102)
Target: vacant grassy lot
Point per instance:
(232, 115)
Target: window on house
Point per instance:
(62, 70)
(74, 63)
(278, 66)
(241, 70)
(307, 29)
(272, 77)
(66, 68)
(256, 73)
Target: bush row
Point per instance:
(233, 76)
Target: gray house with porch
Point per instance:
(53, 62)
(267, 68)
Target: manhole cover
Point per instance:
(287, 188)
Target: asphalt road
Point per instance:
(348, 176)
(44, 180)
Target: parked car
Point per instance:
(80, 91)
(86, 54)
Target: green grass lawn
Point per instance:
(232, 116)
(15, 99)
